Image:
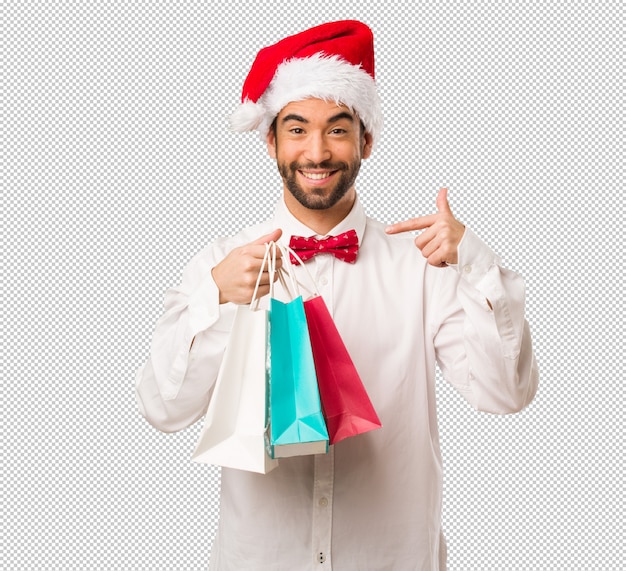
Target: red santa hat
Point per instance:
(334, 61)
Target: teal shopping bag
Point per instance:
(297, 425)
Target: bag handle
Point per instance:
(254, 302)
(288, 269)
(281, 273)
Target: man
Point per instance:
(373, 502)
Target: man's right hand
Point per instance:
(237, 273)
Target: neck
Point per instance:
(320, 221)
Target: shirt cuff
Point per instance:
(475, 258)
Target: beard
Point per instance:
(317, 198)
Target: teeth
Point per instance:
(316, 175)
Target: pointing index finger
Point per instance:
(418, 223)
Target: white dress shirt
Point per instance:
(373, 502)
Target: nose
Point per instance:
(317, 149)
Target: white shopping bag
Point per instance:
(235, 427)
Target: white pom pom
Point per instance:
(247, 117)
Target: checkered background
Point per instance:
(117, 167)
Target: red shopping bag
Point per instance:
(346, 406)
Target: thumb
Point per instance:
(442, 201)
(271, 237)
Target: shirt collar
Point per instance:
(291, 226)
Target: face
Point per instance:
(318, 147)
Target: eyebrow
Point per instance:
(333, 119)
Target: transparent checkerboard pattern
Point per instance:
(118, 167)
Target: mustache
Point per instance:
(324, 165)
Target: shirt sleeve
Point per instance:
(174, 386)
(482, 339)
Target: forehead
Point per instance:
(313, 108)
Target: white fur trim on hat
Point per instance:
(324, 77)
(247, 117)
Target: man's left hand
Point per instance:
(441, 236)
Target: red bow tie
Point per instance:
(344, 247)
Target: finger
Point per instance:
(437, 260)
(442, 201)
(257, 249)
(431, 247)
(425, 237)
(418, 223)
(271, 237)
(256, 252)
(264, 280)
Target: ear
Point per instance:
(367, 146)
(270, 139)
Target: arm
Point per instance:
(174, 386)
(482, 340)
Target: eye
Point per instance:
(340, 131)
(296, 130)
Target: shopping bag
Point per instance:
(347, 408)
(234, 433)
(297, 425)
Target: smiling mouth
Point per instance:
(316, 175)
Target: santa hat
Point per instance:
(334, 61)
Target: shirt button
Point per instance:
(467, 268)
(323, 502)
(321, 558)
(323, 280)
